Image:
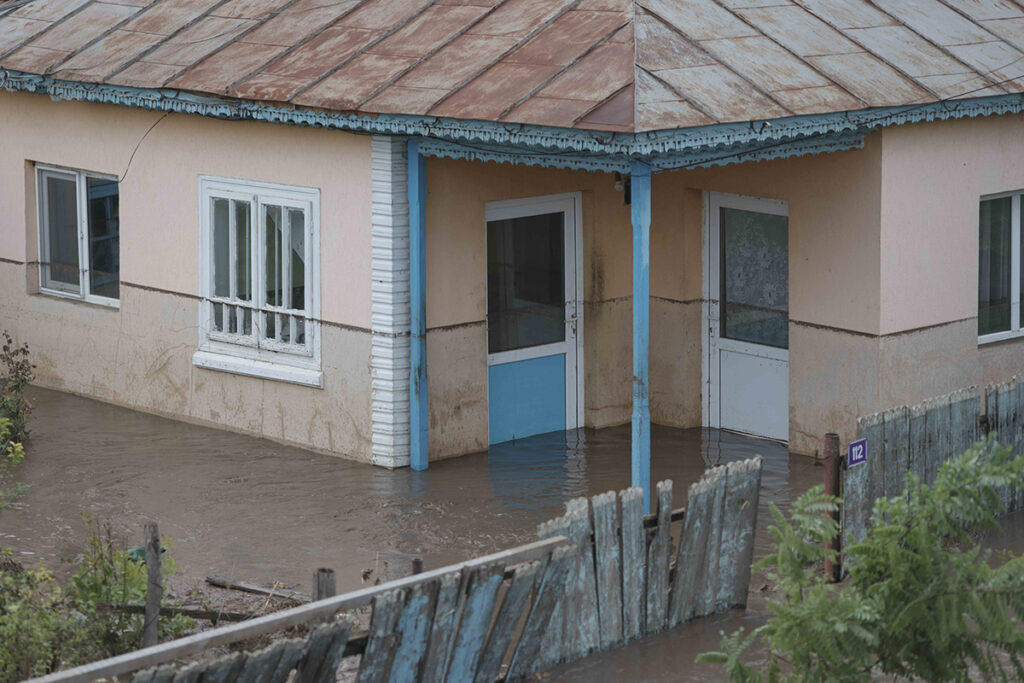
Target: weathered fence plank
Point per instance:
(634, 558)
(380, 646)
(658, 562)
(446, 616)
(190, 673)
(939, 448)
(872, 428)
(526, 659)
(414, 632)
(552, 648)
(1016, 497)
(224, 669)
(261, 665)
(291, 653)
(708, 586)
(162, 674)
(917, 453)
(482, 592)
(743, 485)
(895, 433)
(1006, 428)
(507, 621)
(608, 556)
(324, 650)
(964, 411)
(691, 558)
(580, 627)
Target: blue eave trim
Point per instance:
(545, 145)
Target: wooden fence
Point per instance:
(921, 437)
(599, 576)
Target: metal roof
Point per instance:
(610, 65)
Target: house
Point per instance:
(401, 230)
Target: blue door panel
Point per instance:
(526, 397)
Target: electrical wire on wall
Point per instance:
(124, 176)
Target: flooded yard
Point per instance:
(260, 511)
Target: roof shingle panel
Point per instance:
(80, 28)
(344, 88)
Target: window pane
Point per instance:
(297, 226)
(218, 317)
(104, 238)
(243, 253)
(755, 277)
(994, 266)
(270, 326)
(221, 249)
(272, 221)
(525, 282)
(61, 269)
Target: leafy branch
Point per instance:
(922, 598)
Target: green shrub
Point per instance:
(922, 600)
(108, 576)
(32, 624)
(11, 453)
(43, 628)
(15, 376)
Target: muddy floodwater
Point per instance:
(259, 511)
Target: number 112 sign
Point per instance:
(858, 453)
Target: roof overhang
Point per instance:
(713, 145)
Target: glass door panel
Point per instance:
(755, 277)
(525, 282)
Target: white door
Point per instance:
(534, 328)
(746, 315)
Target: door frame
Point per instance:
(571, 204)
(710, 305)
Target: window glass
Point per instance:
(994, 266)
(243, 250)
(755, 277)
(525, 282)
(104, 237)
(272, 221)
(297, 257)
(221, 248)
(61, 267)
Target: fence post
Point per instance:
(833, 467)
(154, 587)
(323, 584)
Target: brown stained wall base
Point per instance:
(140, 356)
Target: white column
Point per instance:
(390, 295)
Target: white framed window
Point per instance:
(79, 234)
(999, 256)
(259, 280)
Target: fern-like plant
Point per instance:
(922, 599)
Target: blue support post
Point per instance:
(640, 206)
(418, 416)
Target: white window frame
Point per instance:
(1015, 330)
(247, 355)
(84, 292)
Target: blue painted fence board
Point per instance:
(526, 397)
